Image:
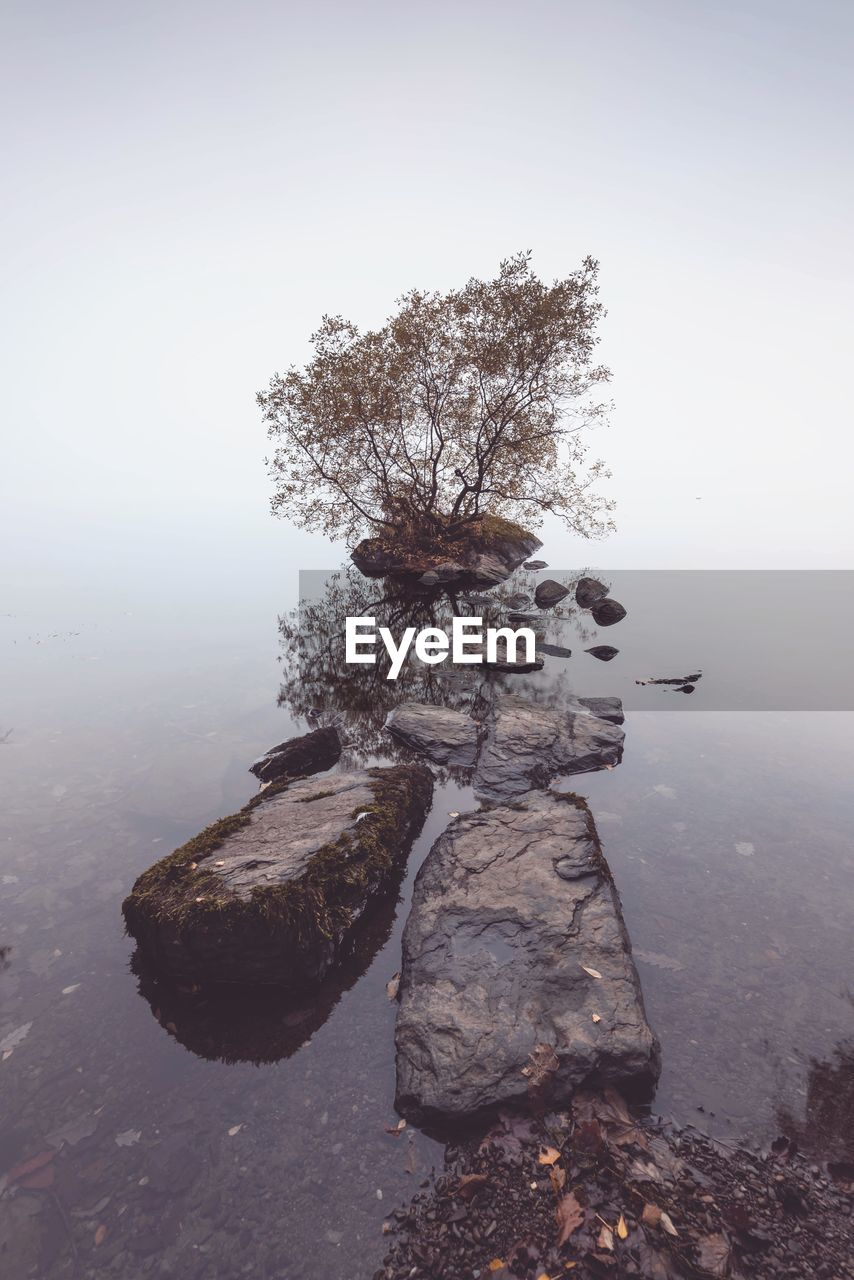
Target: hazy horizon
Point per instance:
(190, 188)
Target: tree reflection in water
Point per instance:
(321, 687)
(267, 1025)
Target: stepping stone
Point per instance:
(273, 893)
(517, 980)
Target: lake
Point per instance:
(203, 1139)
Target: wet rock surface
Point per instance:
(509, 907)
(593, 1192)
(512, 661)
(605, 708)
(606, 612)
(440, 733)
(535, 564)
(588, 591)
(550, 593)
(272, 893)
(530, 743)
(486, 554)
(299, 757)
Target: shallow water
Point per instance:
(219, 1142)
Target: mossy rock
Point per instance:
(273, 893)
(481, 553)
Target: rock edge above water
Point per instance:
(298, 757)
(529, 744)
(486, 554)
(509, 906)
(272, 893)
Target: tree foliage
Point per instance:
(469, 402)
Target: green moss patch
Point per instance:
(183, 899)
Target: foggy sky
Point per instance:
(189, 186)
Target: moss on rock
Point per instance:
(190, 921)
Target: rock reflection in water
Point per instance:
(262, 1024)
(827, 1129)
(321, 687)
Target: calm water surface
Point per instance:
(208, 1142)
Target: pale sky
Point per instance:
(189, 186)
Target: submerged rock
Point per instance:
(516, 958)
(271, 894)
(604, 652)
(442, 734)
(486, 553)
(516, 663)
(550, 593)
(298, 757)
(606, 612)
(530, 743)
(555, 650)
(588, 591)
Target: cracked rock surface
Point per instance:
(440, 733)
(530, 743)
(509, 907)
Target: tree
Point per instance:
(466, 403)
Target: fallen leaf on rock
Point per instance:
(396, 1129)
(75, 986)
(667, 1223)
(496, 1264)
(622, 1229)
(128, 1138)
(40, 1180)
(11, 1041)
(651, 1215)
(100, 1235)
(606, 1239)
(666, 1161)
(595, 1017)
(393, 986)
(234, 1130)
(644, 1171)
(557, 1177)
(594, 973)
(470, 1184)
(714, 1254)
(569, 1216)
(30, 1166)
(588, 1138)
(453, 813)
(548, 1155)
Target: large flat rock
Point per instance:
(530, 743)
(272, 893)
(509, 907)
(442, 734)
